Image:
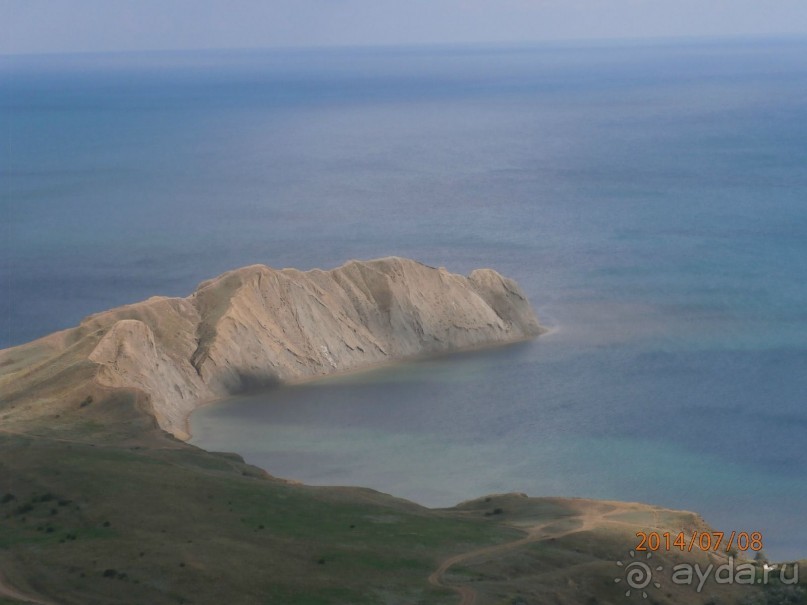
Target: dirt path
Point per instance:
(589, 518)
(9, 592)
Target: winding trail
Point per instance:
(9, 592)
(589, 519)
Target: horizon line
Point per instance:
(502, 44)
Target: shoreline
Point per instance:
(188, 434)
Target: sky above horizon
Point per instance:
(57, 26)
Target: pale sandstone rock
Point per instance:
(258, 326)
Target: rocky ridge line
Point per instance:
(257, 326)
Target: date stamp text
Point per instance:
(707, 541)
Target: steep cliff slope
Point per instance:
(257, 326)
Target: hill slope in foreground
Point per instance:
(101, 503)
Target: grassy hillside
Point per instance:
(104, 523)
(97, 506)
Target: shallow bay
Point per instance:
(649, 200)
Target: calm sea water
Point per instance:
(651, 200)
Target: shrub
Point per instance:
(24, 508)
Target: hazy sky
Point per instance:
(100, 25)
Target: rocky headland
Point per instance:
(257, 326)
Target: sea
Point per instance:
(650, 197)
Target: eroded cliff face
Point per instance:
(258, 326)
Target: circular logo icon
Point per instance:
(638, 575)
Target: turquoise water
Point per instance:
(649, 199)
